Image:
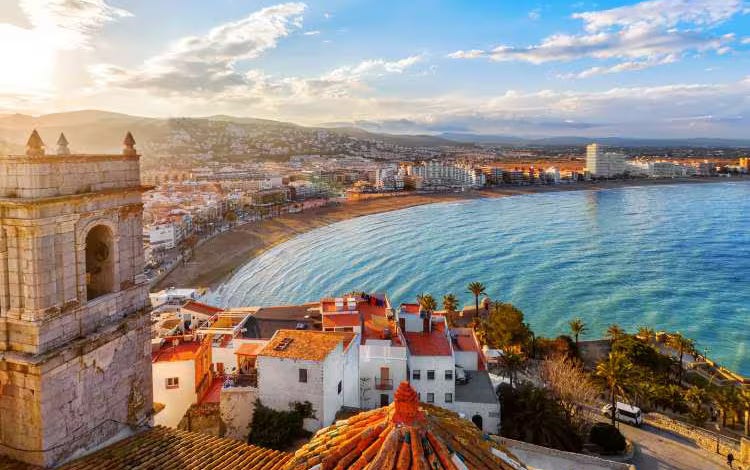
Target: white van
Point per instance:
(625, 413)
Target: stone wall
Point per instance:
(701, 437)
(204, 418)
(23, 177)
(77, 396)
(237, 408)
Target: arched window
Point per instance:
(477, 420)
(100, 262)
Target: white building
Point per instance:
(441, 174)
(382, 349)
(173, 296)
(314, 366)
(602, 164)
(437, 355)
(163, 235)
(181, 376)
(389, 178)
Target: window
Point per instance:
(430, 375)
(303, 375)
(416, 374)
(173, 382)
(449, 374)
(449, 398)
(340, 387)
(430, 398)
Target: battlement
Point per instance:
(39, 175)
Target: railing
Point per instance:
(240, 380)
(383, 384)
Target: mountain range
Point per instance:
(92, 131)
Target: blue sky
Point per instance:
(658, 68)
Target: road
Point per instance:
(659, 450)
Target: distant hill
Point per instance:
(610, 141)
(92, 131)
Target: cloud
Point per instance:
(745, 40)
(70, 24)
(199, 64)
(535, 14)
(641, 35)
(311, 33)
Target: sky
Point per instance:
(656, 68)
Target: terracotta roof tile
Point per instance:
(341, 320)
(306, 344)
(200, 307)
(433, 343)
(162, 448)
(404, 435)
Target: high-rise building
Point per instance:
(75, 352)
(602, 164)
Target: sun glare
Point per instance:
(32, 57)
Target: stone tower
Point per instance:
(75, 363)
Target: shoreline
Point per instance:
(219, 258)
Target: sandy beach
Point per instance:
(218, 258)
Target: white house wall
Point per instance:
(440, 386)
(176, 400)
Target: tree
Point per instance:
(615, 332)
(682, 345)
(726, 400)
(646, 333)
(530, 414)
(504, 327)
(570, 385)
(696, 397)
(450, 304)
(476, 289)
(744, 400)
(511, 363)
(427, 302)
(577, 327)
(616, 371)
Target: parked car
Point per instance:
(625, 413)
(461, 376)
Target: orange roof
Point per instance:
(428, 344)
(340, 320)
(171, 449)
(200, 307)
(404, 435)
(184, 351)
(306, 344)
(250, 349)
(410, 308)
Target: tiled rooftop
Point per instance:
(341, 320)
(306, 344)
(433, 343)
(200, 307)
(184, 351)
(249, 349)
(404, 435)
(162, 448)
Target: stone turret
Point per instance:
(128, 145)
(35, 145)
(62, 145)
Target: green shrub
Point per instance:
(279, 429)
(607, 437)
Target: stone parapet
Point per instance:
(703, 438)
(49, 176)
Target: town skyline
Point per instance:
(660, 68)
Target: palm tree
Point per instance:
(427, 302)
(725, 399)
(512, 362)
(682, 345)
(615, 332)
(450, 304)
(646, 333)
(477, 289)
(577, 327)
(616, 371)
(744, 399)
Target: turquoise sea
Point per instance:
(673, 257)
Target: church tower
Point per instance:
(75, 363)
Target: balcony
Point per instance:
(383, 384)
